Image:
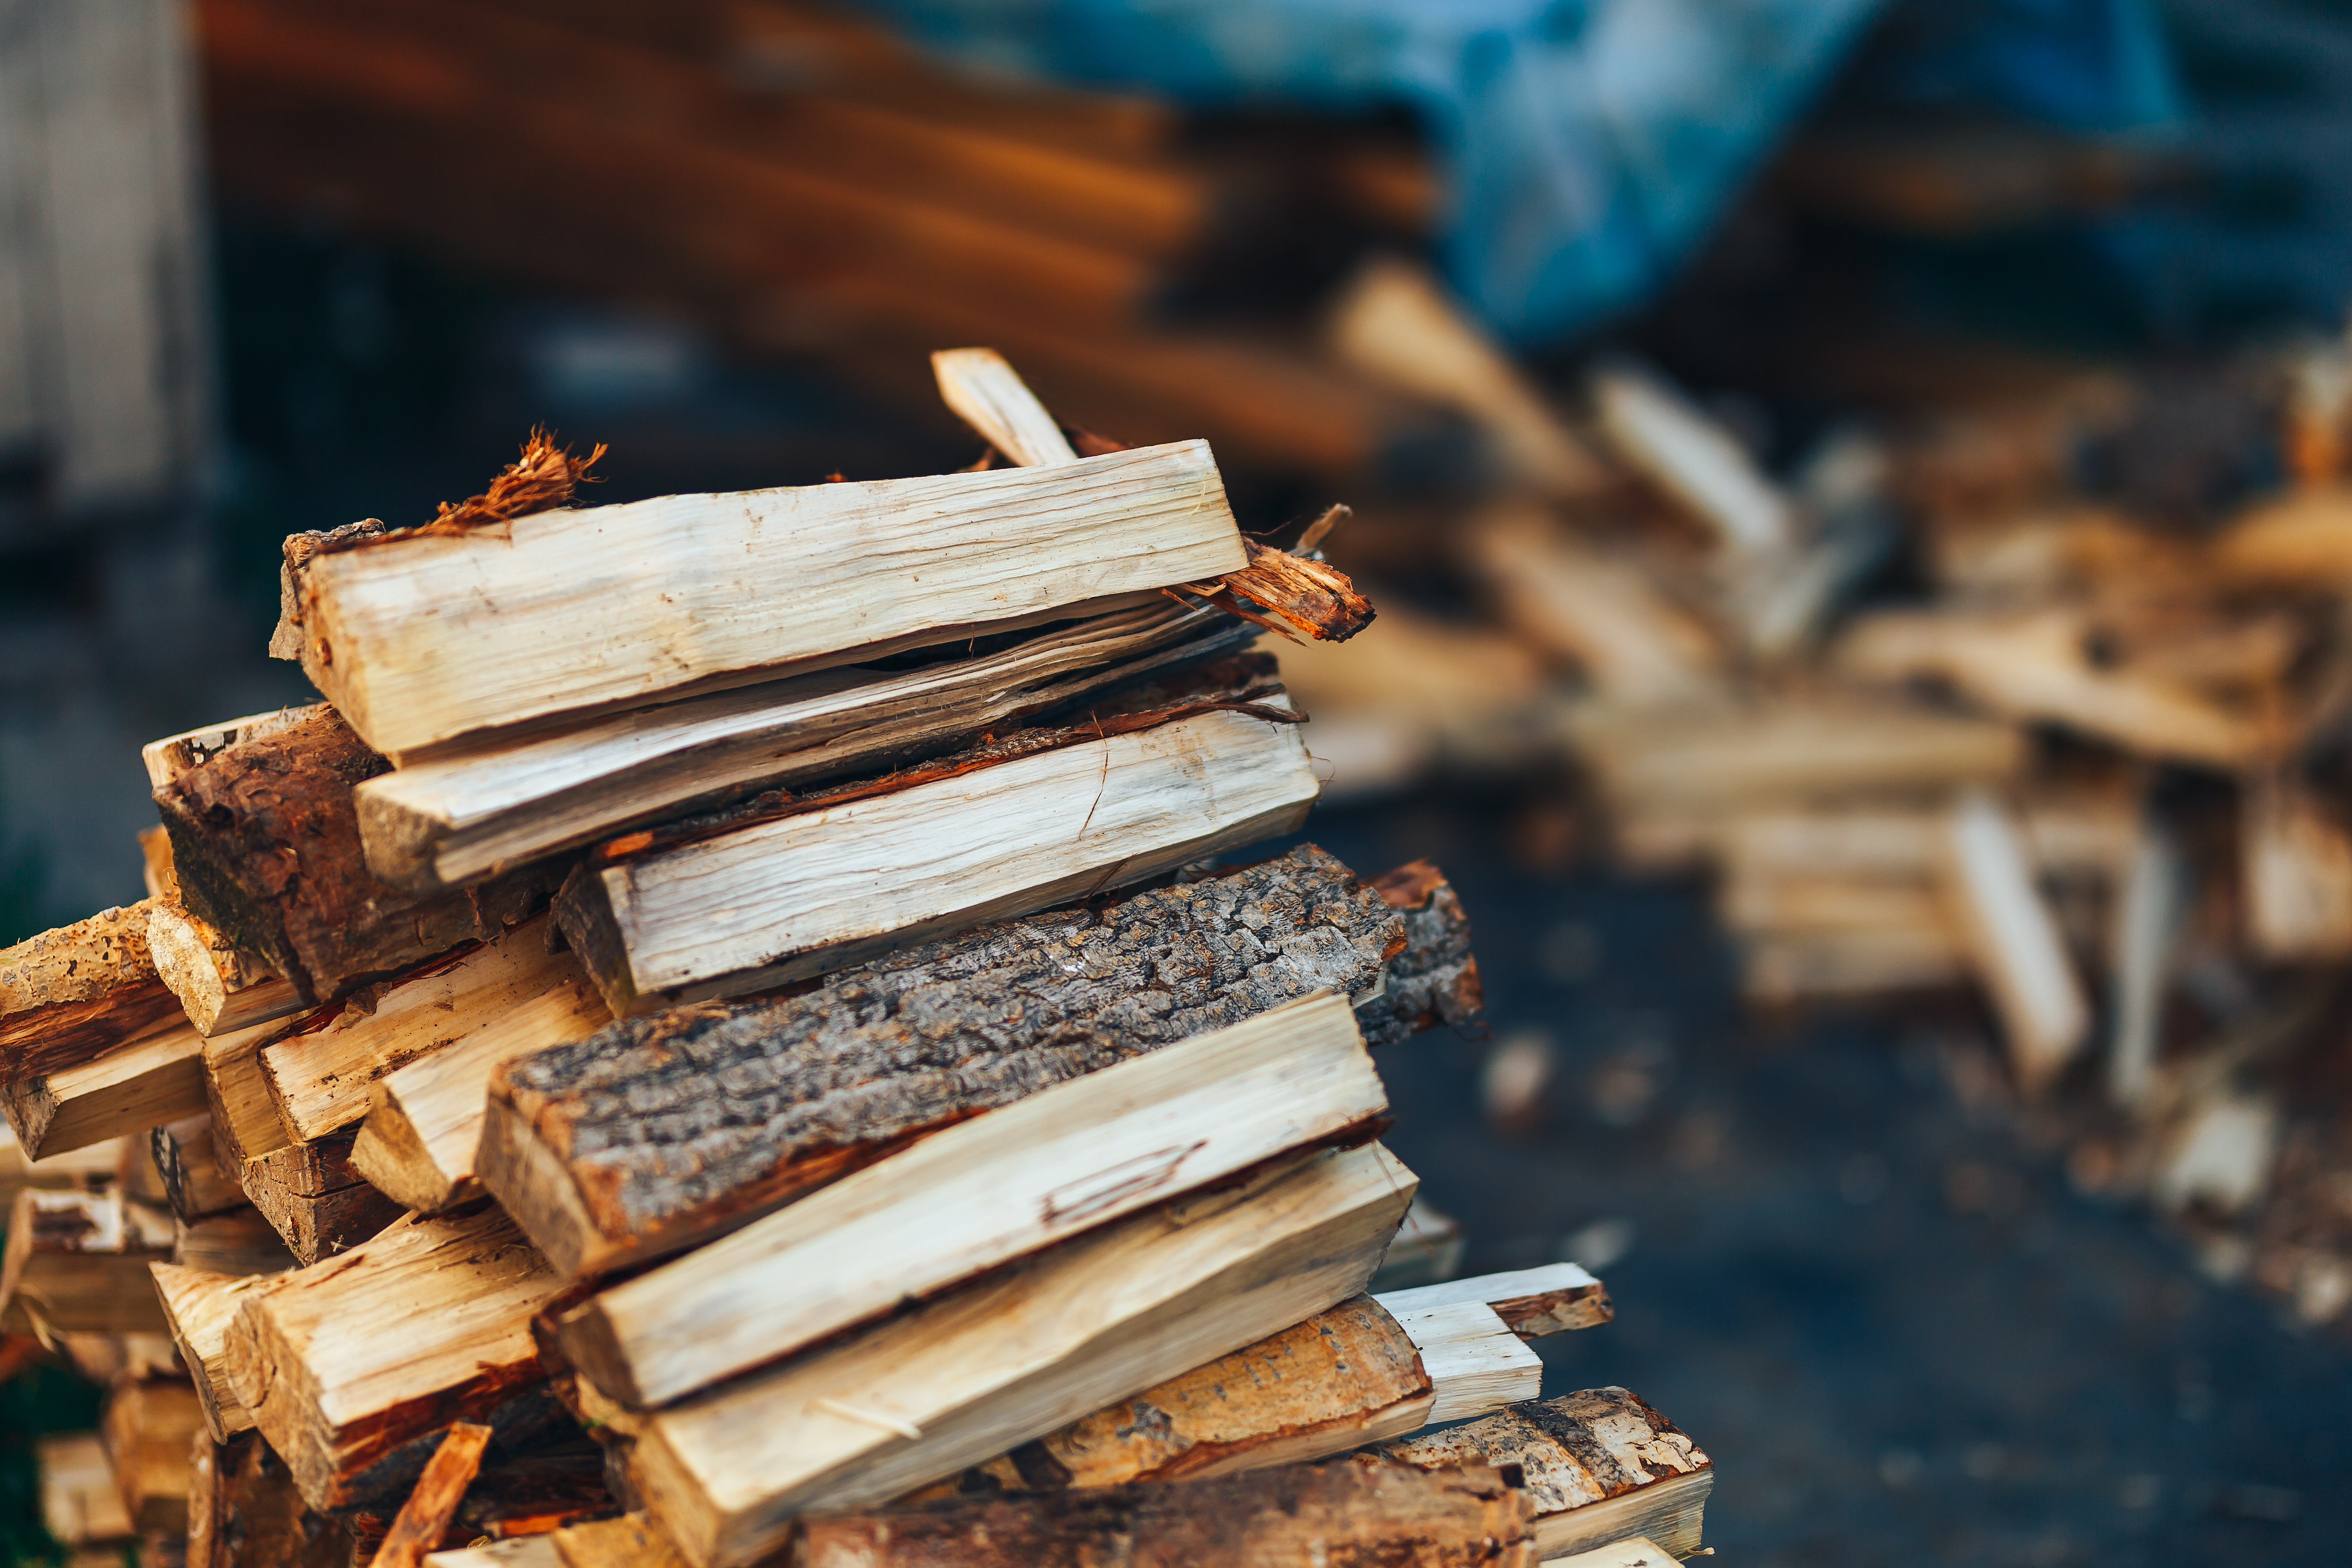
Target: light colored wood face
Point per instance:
(421, 641)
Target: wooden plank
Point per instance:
(454, 819)
(977, 1195)
(265, 842)
(769, 1099)
(187, 1159)
(345, 1362)
(1014, 1356)
(322, 1071)
(430, 1508)
(1302, 1516)
(77, 1262)
(244, 1511)
(221, 986)
(80, 1505)
(1599, 1465)
(156, 1078)
(147, 1428)
(72, 993)
(989, 395)
(199, 1308)
(1532, 1302)
(879, 563)
(423, 1123)
(782, 901)
(2013, 940)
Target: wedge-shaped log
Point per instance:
(220, 985)
(245, 1512)
(1600, 1465)
(1016, 1355)
(421, 639)
(320, 1071)
(980, 1195)
(77, 992)
(148, 1428)
(200, 1307)
(187, 1161)
(266, 843)
(425, 1120)
(240, 1241)
(156, 1078)
(1364, 1511)
(785, 899)
(759, 1101)
(346, 1363)
(458, 818)
(76, 1262)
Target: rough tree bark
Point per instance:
(70, 994)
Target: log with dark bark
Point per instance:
(1436, 979)
(658, 1132)
(1363, 1512)
(266, 843)
(75, 993)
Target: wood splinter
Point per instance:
(427, 1514)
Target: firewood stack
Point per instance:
(723, 1038)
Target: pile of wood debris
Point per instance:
(722, 1041)
(1946, 711)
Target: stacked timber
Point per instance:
(726, 1034)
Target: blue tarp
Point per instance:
(1586, 143)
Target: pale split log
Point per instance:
(2148, 909)
(1363, 1509)
(632, 1541)
(479, 810)
(424, 1124)
(199, 1306)
(988, 394)
(156, 1078)
(80, 1505)
(2295, 862)
(236, 1241)
(2013, 942)
(1689, 454)
(581, 610)
(78, 1261)
(765, 1100)
(418, 1526)
(779, 901)
(1827, 965)
(221, 987)
(1599, 1465)
(147, 1428)
(75, 992)
(1014, 1356)
(348, 1363)
(187, 1159)
(1473, 1361)
(980, 1195)
(1634, 1552)
(1532, 1302)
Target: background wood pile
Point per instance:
(722, 1040)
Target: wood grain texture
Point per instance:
(782, 901)
(1352, 1511)
(458, 818)
(322, 1071)
(220, 986)
(656, 1132)
(148, 1428)
(571, 611)
(347, 1362)
(309, 1192)
(1016, 1355)
(417, 1527)
(200, 1307)
(265, 839)
(155, 1077)
(989, 395)
(1473, 1361)
(75, 992)
(237, 1241)
(245, 1512)
(980, 1195)
(632, 1541)
(1586, 1451)
(1554, 1299)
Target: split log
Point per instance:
(1427, 1249)
(1599, 1466)
(2148, 909)
(74, 1168)
(1602, 612)
(1785, 968)
(430, 1508)
(1532, 1302)
(80, 1505)
(147, 1429)
(989, 395)
(760, 1102)
(245, 1512)
(2013, 940)
(975, 1196)
(200, 1307)
(265, 837)
(1301, 1516)
(187, 1159)
(238, 1241)
(1634, 1552)
(77, 992)
(1688, 454)
(633, 1540)
(877, 565)
(174, 755)
(1014, 1356)
(320, 1071)
(155, 865)
(2295, 861)
(440, 822)
(349, 1364)
(781, 901)
(424, 1124)
(1435, 978)
(77, 1262)
(156, 1078)
(220, 986)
